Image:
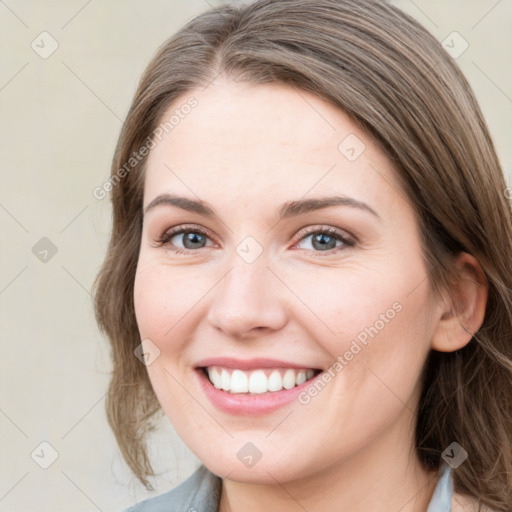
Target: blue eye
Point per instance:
(192, 238)
(327, 239)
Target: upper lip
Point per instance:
(250, 364)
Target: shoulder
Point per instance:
(201, 491)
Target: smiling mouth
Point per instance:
(257, 381)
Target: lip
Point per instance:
(249, 405)
(250, 364)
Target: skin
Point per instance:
(246, 149)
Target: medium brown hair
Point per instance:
(395, 81)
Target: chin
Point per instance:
(263, 472)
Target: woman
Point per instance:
(309, 267)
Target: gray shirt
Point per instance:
(201, 493)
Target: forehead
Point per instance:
(244, 140)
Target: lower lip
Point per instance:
(244, 404)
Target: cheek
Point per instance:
(158, 309)
(149, 303)
(164, 300)
(375, 322)
(163, 306)
(377, 372)
(353, 301)
(383, 361)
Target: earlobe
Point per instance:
(463, 306)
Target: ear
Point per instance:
(462, 309)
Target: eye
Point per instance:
(326, 239)
(191, 237)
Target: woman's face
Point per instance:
(270, 285)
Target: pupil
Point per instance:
(320, 239)
(192, 238)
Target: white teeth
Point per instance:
(215, 378)
(226, 380)
(257, 381)
(289, 379)
(301, 377)
(239, 382)
(275, 382)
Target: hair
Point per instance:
(397, 83)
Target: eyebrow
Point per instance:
(288, 209)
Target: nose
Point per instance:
(249, 301)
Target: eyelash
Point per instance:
(165, 239)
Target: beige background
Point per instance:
(60, 118)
